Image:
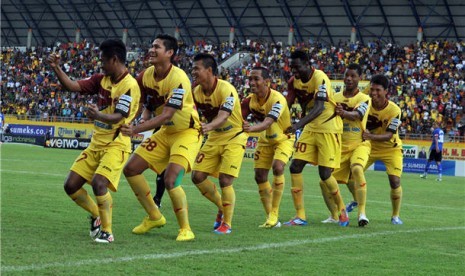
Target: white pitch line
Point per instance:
(263, 246)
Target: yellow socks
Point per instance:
(141, 189)
(229, 200)
(329, 200)
(278, 187)
(360, 188)
(265, 191)
(179, 201)
(208, 190)
(297, 191)
(352, 188)
(396, 198)
(105, 207)
(333, 188)
(82, 198)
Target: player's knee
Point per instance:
(357, 170)
(197, 177)
(324, 172)
(225, 180)
(394, 181)
(278, 169)
(260, 178)
(296, 166)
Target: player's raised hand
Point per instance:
(53, 60)
(126, 129)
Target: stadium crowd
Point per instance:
(427, 79)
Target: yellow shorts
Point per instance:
(216, 159)
(109, 163)
(392, 159)
(161, 148)
(264, 155)
(322, 149)
(359, 156)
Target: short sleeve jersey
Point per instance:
(352, 130)
(174, 90)
(122, 97)
(437, 134)
(382, 121)
(224, 97)
(327, 121)
(277, 109)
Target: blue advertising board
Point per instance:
(412, 165)
(31, 130)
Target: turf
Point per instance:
(44, 232)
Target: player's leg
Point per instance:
(230, 165)
(133, 171)
(297, 190)
(262, 165)
(107, 177)
(280, 156)
(81, 172)
(358, 161)
(205, 164)
(173, 177)
(228, 196)
(394, 164)
(183, 149)
(329, 158)
(431, 157)
(438, 159)
(264, 189)
(396, 198)
(160, 189)
(341, 175)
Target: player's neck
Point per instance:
(263, 95)
(381, 106)
(350, 93)
(119, 74)
(209, 86)
(162, 70)
(309, 74)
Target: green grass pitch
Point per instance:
(44, 233)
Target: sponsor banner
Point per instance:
(71, 131)
(450, 151)
(412, 165)
(410, 151)
(67, 143)
(31, 130)
(250, 147)
(25, 139)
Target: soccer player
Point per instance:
(221, 155)
(320, 141)
(382, 130)
(435, 151)
(174, 147)
(352, 106)
(160, 180)
(101, 163)
(269, 108)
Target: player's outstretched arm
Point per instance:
(54, 61)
